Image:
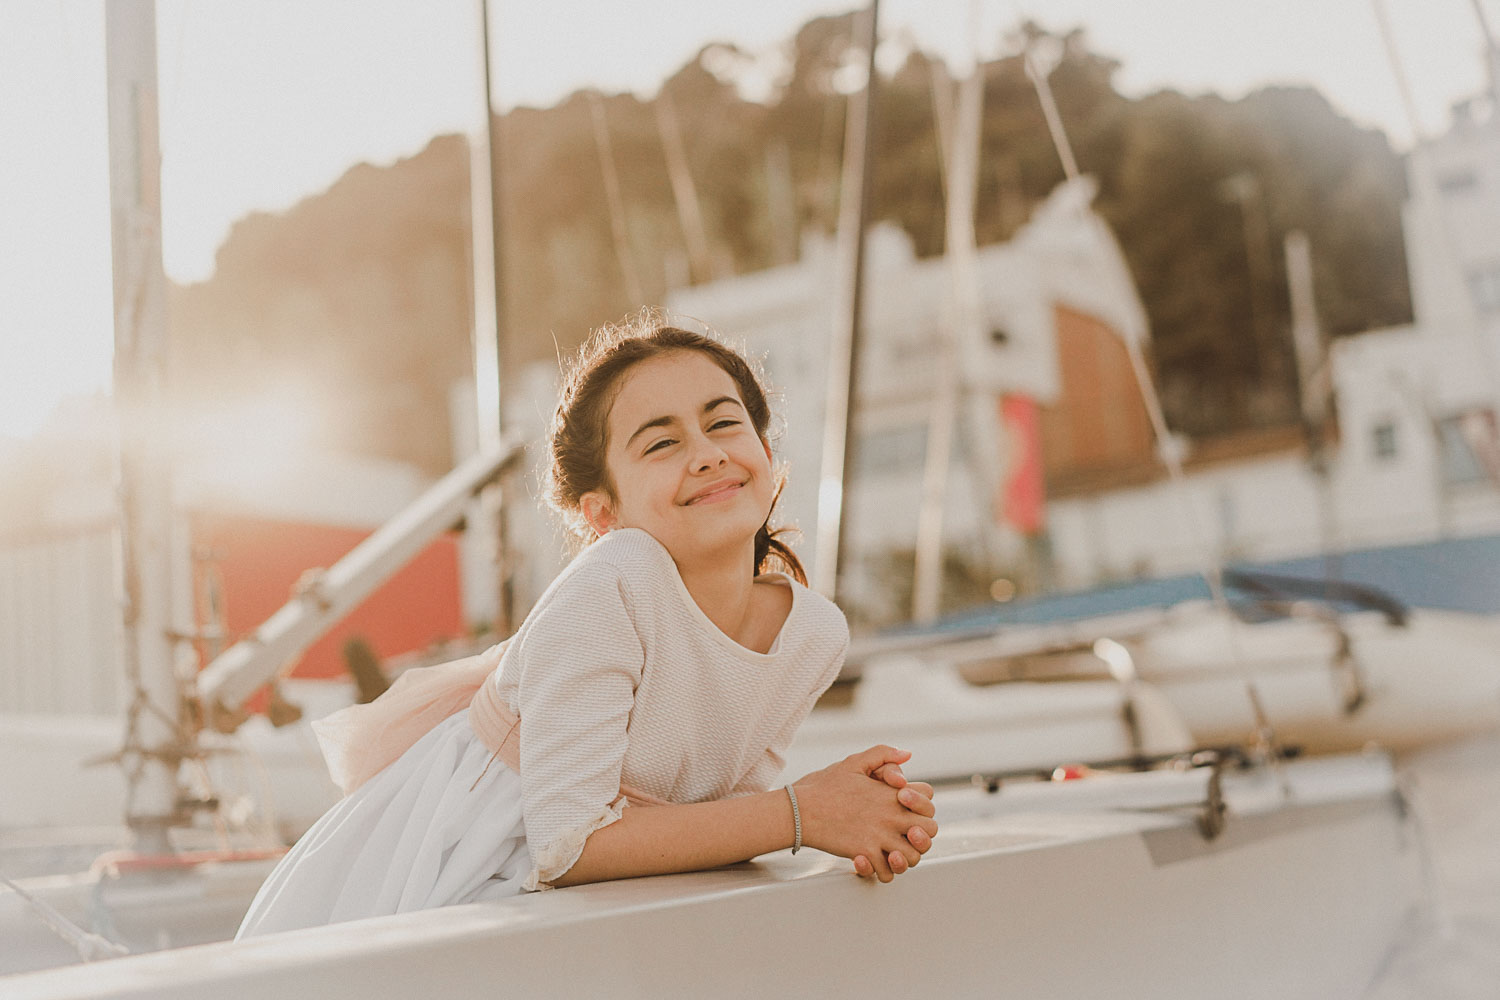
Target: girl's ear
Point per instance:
(597, 511)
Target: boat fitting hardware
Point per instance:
(1211, 819)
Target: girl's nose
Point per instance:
(708, 456)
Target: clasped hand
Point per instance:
(863, 808)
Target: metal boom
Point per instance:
(327, 596)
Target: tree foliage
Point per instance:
(362, 292)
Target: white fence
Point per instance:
(59, 639)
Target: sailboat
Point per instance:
(1332, 664)
(1035, 890)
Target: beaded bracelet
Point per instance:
(796, 819)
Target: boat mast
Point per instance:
(1312, 381)
(470, 492)
(701, 265)
(961, 158)
(843, 358)
(490, 363)
(151, 751)
(618, 229)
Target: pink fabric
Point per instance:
(362, 740)
(496, 725)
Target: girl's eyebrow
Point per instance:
(664, 421)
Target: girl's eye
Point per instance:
(657, 445)
(726, 422)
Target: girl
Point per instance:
(658, 669)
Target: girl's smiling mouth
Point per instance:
(715, 493)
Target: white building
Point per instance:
(1062, 259)
(1415, 457)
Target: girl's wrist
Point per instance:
(807, 807)
(796, 819)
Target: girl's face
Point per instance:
(686, 463)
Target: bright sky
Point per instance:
(264, 104)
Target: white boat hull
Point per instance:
(1433, 679)
(1326, 685)
(1038, 891)
(956, 729)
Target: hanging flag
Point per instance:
(1023, 490)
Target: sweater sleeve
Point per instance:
(582, 662)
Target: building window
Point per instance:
(1484, 287)
(1385, 441)
(1461, 440)
(1458, 182)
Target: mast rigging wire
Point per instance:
(1168, 447)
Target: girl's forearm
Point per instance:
(658, 840)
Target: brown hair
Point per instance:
(578, 435)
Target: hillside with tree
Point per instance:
(360, 294)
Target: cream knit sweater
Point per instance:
(618, 676)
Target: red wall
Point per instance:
(1098, 426)
(261, 560)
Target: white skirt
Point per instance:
(419, 834)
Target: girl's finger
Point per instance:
(891, 775)
(920, 787)
(918, 838)
(862, 866)
(908, 854)
(897, 862)
(882, 866)
(872, 759)
(919, 804)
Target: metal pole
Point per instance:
(854, 195)
(962, 158)
(150, 754)
(484, 223)
(1491, 50)
(1307, 342)
(1245, 190)
(488, 523)
(327, 595)
(1307, 337)
(617, 227)
(684, 191)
